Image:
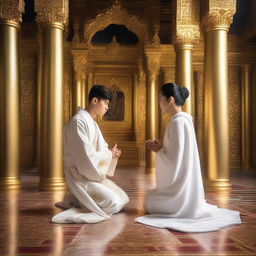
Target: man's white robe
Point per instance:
(87, 161)
(178, 201)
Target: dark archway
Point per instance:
(122, 34)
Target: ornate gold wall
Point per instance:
(104, 74)
(28, 90)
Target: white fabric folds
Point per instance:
(87, 161)
(178, 201)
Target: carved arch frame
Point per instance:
(116, 15)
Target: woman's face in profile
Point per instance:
(163, 102)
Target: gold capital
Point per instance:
(153, 63)
(52, 12)
(10, 11)
(218, 19)
(218, 14)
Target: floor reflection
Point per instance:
(12, 221)
(26, 228)
(93, 239)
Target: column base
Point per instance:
(7, 183)
(218, 185)
(52, 184)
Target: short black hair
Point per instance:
(179, 93)
(100, 92)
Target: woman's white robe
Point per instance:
(178, 201)
(87, 160)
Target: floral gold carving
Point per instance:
(52, 11)
(186, 22)
(218, 18)
(115, 15)
(187, 34)
(153, 64)
(11, 10)
(234, 104)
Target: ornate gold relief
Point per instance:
(187, 34)
(115, 15)
(219, 14)
(27, 109)
(52, 11)
(218, 18)
(186, 22)
(234, 105)
(153, 63)
(10, 11)
(199, 111)
(79, 62)
(141, 78)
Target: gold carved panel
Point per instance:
(234, 104)
(199, 112)
(67, 94)
(28, 63)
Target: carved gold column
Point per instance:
(10, 17)
(246, 119)
(52, 16)
(153, 64)
(216, 145)
(79, 88)
(187, 33)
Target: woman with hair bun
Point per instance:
(178, 201)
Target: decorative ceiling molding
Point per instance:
(115, 15)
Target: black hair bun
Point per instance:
(184, 93)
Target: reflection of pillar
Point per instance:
(184, 73)
(52, 21)
(246, 132)
(9, 94)
(12, 222)
(79, 88)
(153, 62)
(216, 150)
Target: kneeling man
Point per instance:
(91, 197)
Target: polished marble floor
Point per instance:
(25, 227)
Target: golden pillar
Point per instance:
(216, 135)
(79, 88)
(10, 16)
(153, 64)
(187, 33)
(246, 118)
(184, 73)
(52, 17)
